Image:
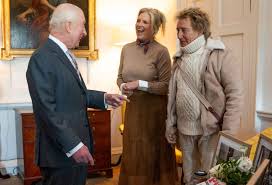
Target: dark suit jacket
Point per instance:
(60, 102)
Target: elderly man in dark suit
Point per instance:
(60, 101)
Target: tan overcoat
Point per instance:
(221, 86)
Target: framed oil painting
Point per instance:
(25, 26)
(229, 147)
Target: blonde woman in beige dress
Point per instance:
(144, 73)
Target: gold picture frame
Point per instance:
(9, 49)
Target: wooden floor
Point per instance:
(98, 180)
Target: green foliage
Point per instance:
(230, 173)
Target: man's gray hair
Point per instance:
(63, 13)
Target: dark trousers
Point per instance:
(64, 176)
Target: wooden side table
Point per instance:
(100, 125)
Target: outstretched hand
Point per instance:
(115, 100)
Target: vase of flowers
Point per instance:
(233, 172)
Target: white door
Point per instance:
(235, 22)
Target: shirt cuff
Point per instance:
(143, 85)
(105, 104)
(121, 87)
(74, 150)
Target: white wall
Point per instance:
(112, 16)
(265, 56)
(264, 73)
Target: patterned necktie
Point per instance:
(74, 63)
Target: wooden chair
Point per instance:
(123, 110)
(121, 129)
(258, 176)
(179, 164)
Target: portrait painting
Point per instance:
(228, 148)
(27, 26)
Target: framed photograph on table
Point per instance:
(261, 175)
(263, 151)
(25, 26)
(229, 147)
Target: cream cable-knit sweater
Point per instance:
(187, 104)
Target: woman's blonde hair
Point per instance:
(157, 19)
(199, 20)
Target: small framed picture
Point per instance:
(229, 147)
(263, 151)
(262, 174)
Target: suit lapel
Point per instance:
(64, 59)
